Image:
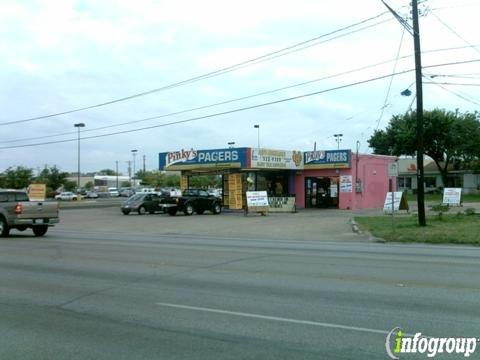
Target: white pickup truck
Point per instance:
(18, 212)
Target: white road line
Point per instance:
(276, 318)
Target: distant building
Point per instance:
(466, 179)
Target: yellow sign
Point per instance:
(37, 192)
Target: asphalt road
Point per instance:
(105, 294)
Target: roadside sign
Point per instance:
(257, 201)
(392, 169)
(394, 202)
(37, 192)
(452, 196)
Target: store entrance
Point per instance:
(321, 192)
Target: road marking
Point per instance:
(276, 318)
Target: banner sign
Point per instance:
(276, 159)
(327, 159)
(451, 196)
(187, 159)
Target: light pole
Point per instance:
(134, 153)
(116, 172)
(78, 126)
(338, 139)
(258, 133)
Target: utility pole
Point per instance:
(143, 165)
(130, 171)
(116, 171)
(420, 130)
(415, 32)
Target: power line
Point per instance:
(391, 80)
(231, 100)
(243, 108)
(266, 57)
(454, 32)
(450, 83)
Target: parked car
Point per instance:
(194, 200)
(67, 195)
(113, 192)
(18, 212)
(91, 195)
(126, 192)
(143, 203)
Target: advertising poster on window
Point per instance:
(346, 185)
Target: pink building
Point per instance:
(337, 178)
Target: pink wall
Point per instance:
(372, 172)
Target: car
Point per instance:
(194, 200)
(91, 195)
(113, 192)
(126, 192)
(143, 203)
(67, 195)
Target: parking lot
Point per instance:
(312, 225)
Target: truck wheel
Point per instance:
(217, 209)
(188, 209)
(172, 211)
(4, 229)
(40, 230)
(142, 210)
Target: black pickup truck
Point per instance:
(194, 200)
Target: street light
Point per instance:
(258, 128)
(338, 139)
(134, 153)
(78, 126)
(231, 143)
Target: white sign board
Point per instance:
(398, 204)
(392, 169)
(277, 159)
(257, 199)
(346, 184)
(451, 196)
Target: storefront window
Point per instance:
(275, 183)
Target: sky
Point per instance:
(57, 56)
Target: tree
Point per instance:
(107, 172)
(70, 185)
(17, 178)
(89, 185)
(450, 138)
(52, 177)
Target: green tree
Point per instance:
(89, 185)
(107, 172)
(205, 181)
(52, 177)
(17, 178)
(70, 185)
(450, 138)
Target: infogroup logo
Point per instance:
(397, 342)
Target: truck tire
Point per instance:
(40, 230)
(4, 229)
(188, 209)
(217, 209)
(142, 210)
